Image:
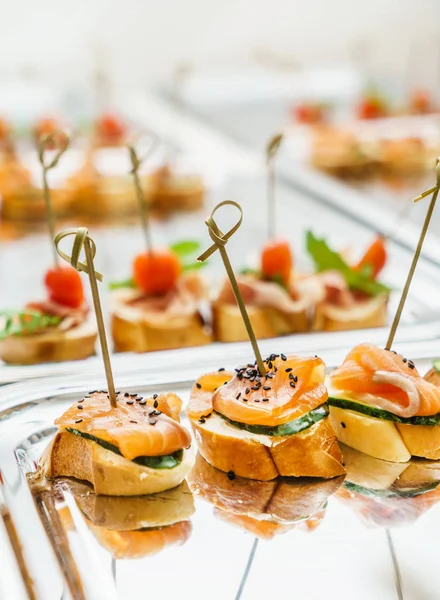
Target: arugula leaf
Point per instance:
(185, 248)
(117, 285)
(25, 322)
(327, 259)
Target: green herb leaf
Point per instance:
(25, 322)
(117, 285)
(326, 259)
(193, 266)
(185, 248)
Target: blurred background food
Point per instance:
(200, 88)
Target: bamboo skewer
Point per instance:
(220, 240)
(84, 241)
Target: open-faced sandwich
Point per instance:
(170, 189)
(136, 526)
(382, 406)
(350, 295)
(389, 494)
(340, 153)
(138, 447)
(58, 329)
(262, 427)
(277, 303)
(102, 186)
(263, 508)
(159, 308)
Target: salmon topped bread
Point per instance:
(382, 406)
(260, 427)
(138, 447)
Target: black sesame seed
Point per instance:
(255, 387)
(221, 369)
(198, 386)
(142, 402)
(154, 396)
(82, 400)
(238, 396)
(343, 424)
(207, 416)
(256, 400)
(244, 399)
(231, 475)
(225, 382)
(404, 360)
(133, 395)
(266, 388)
(265, 399)
(139, 398)
(292, 384)
(130, 402)
(283, 357)
(291, 375)
(411, 366)
(80, 407)
(270, 364)
(78, 421)
(202, 420)
(288, 370)
(155, 404)
(93, 392)
(247, 390)
(117, 393)
(295, 379)
(126, 394)
(135, 422)
(153, 421)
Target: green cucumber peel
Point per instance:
(168, 461)
(290, 428)
(380, 413)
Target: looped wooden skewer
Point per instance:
(42, 145)
(434, 191)
(84, 241)
(135, 164)
(220, 240)
(81, 235)
(271, 151)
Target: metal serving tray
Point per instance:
(49, 553)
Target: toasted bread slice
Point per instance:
(136, 331)
(421, 440)
(311, 453)
(69, 455)
(366, 314)
(136, 512)
(54, 345)
(228, 324)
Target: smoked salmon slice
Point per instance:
(292, 387)
(387, 380)
(137, 426)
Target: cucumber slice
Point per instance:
(290, 428)
(390, 492)
(168, 461)
(379, 413)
